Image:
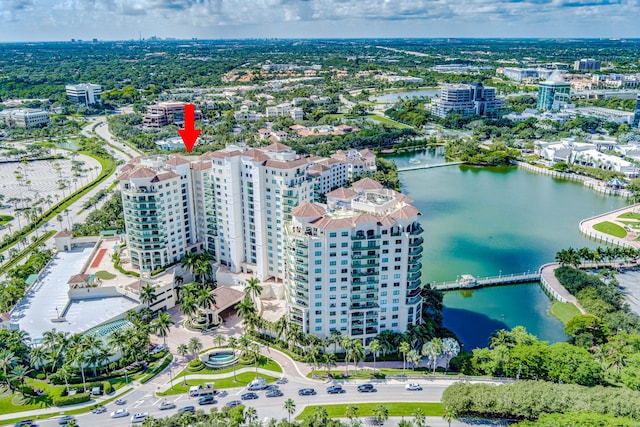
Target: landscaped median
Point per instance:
(396, 409)
(243, 379)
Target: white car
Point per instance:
(139, 417)
(413, 387)
(120, 413)
(166, 405)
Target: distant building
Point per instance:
(84, 94)
(520, 74)
(636, 115)
(553, 93)
(467, 99)
(587, 65)
(170, 143)
(164, 113)
(24, 117)
(245, 115)
(606, 114)
(284, 110)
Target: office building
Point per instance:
(466, 99)
(24, 117)
(353, 264)
(164, 113)
(553, 93)
(587, 65)
(84, 94)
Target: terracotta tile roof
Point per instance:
(78, 278)
(342, 193)
(201, 166)
(405, 212)
(5, 317)
(367, 184)
(327, 223)
(142, 173)
(124, 176)
(367, 153)
(63, 233)
(177, 160)
(138, 285)
(308, 210)
(256, 155)
(163, 176)
(206, 156)
(127, 167)
(403, 198)
(277, 164)
(221, 154)
(277, 146)
(387, 221)
(366, 217)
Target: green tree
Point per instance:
(404, 349)
(290, 407)
(148, 295)
(374, 348)
(162, 324)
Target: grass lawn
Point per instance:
(388, 121)
(564, 311)
(5, 219)
(243, 379)
(396, 409)
(105, 275)
(270, 365)
(630, 215)
(610, 228)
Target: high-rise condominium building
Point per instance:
(84, 93)
(553, 93)
(589, 64)
(467, 99)
(353, 264)
(636, 115)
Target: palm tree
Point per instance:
(182, 350)
(18, 373)
(357, 352)
(162, 324)
(346, 343)
(38, 358)
(188, 303)
(7, 361)
(290, 407)
(194, 346)
(205, 299)
(451, 349)
(253, 289)
(419, 418)
(449, 415)
(76, 355)
(281, 327)
(148, 295)
(335, 339)
(247, 312)
(250, 415)
(381, 413)
(233, 343)
(414, 357)
(351, 412)
(65, 372)
(433, 349)
(374, 348)
(203, 269)
(219, 340)
(189, 261)
(329, 360)
(404, 349)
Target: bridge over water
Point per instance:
(470, 282)
(426, 166)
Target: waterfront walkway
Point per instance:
(503, 279)
(553, 286)
(631, 226)
(426, 166)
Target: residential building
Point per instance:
(587, 65)
(158, 210)
(164, 113)
(466, 99)
(84, 93)
(606, 114)
(357, 161)
(285, 110)
(636, 114)
(245, 115)
(24, 117)
(553, 93)
(353, 264)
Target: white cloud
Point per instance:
(63, 19)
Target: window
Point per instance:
(333, 234)
(318, 271)
(317, 245)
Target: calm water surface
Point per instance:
(490, 221)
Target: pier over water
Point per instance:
(470, 282)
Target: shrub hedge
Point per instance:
(71, 400)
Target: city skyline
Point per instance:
(40, 20)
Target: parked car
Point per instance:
(184, 409)
(206, 400)
(233, 403)
(119, 413)
(166, 405)
(413, 387)
(335, 389)
(139, 417)
(366, 388)
(62, 421)
(248, 396)
(274, 393)
(282, 380)
(25, 423)
(306, 392)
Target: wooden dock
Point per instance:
(470, 282)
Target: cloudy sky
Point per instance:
(35, 20)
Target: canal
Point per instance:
(487, 221)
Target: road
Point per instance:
(141, 400)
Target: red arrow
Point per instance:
(189, 134)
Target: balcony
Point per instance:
(418, 230)
(356, 331)
(415, 251)
(363, 306)
(357, 264)
(372, 331)
(365, 236)
(375, 256)
(364, 273)
(414, 267)
(413, 300)
(416, 242)
(414, 276)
